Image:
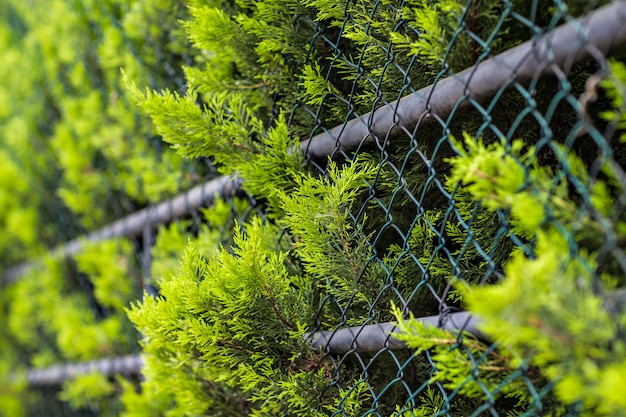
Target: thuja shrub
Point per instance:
(227, 336)
(74, 309)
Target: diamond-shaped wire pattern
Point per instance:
(514, 71)
(535, 92)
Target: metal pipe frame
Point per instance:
(366, 338)
(375, 337)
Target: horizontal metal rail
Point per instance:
(594, 35)
(136, 223)
(367, 338)
(56, 375)
(375, 337)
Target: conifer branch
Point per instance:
(345, 243)
(236, 346)
(270, 298)
(244, 147)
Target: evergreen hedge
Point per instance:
(523, 228)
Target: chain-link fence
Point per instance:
(488, 164)
(543, 95)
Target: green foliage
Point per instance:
(157, 398)
(255, 50)
(110, 270)
(74, 113)
(552, 310)
(614, 85)
(546, 310)
(92, 391)
(328, 242)
(77, 154)
(13, 393)
(557, 314)
(218, 229)
(18, 223)
(250, 54)
(76, 329)
(497, 175)
(463, 364)
(436, 23)
(431, 404)
(234, 321)
(227, 129)
(338, 246)
(317, 87)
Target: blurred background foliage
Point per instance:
(76, 154)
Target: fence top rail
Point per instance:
(596, 34)
(135, 223)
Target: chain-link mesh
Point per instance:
(530, 85)
(540, 93)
